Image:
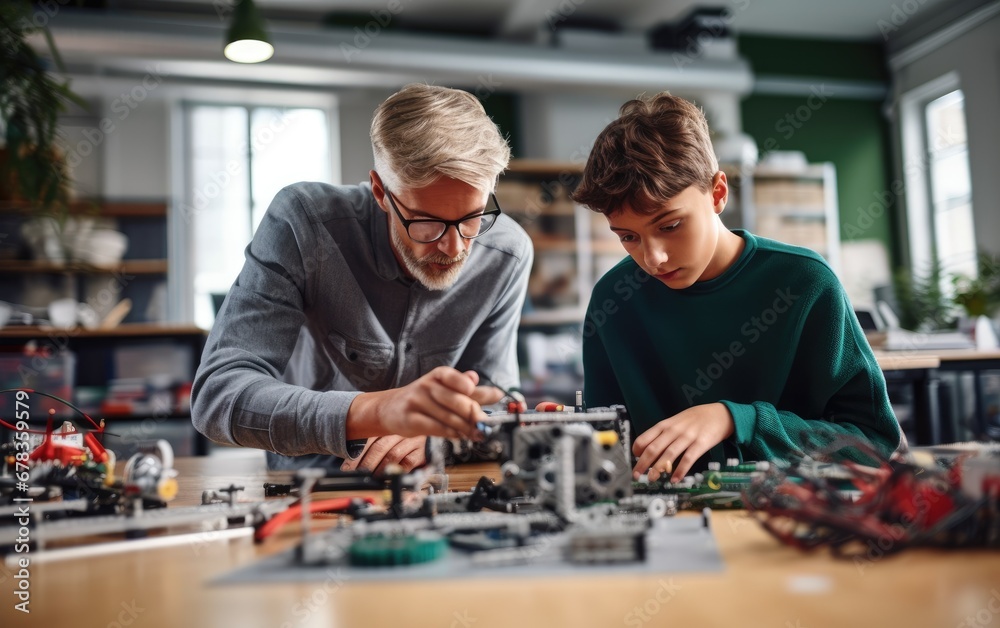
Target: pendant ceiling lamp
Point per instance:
(247, 40)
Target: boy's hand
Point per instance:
(409, 453)
(444, 402)
(686, 435)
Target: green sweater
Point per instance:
(774, 338)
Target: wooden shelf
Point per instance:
(133, 329)
(544, 167)
(42, 419)
(815, 172)
(555, 316)
(797, 206)
(562, 246)
(129, 267)
(613, 247)
(550, 209)
(537, 193)
(110, 209)
(803, 215)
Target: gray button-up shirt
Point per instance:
(322, 311)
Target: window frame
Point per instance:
(180, 282)
(921, 234)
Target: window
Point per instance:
(938, 184)
(238, 159)
(950, 184)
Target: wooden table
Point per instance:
(764, 584)
(918, 370)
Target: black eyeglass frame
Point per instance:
(447, 223)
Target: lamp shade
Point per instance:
(247, 40)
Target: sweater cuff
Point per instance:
(744, 421)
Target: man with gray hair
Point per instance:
(364, 315)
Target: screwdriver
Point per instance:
(514, 406)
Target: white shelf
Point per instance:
(816, 172)
(566, 252)
(798, 206)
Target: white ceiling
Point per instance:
(838, 19)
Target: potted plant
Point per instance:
(32, 170)
(923, 304)
(979, 297)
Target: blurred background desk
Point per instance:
(975, 418)
(917, 375)
(764, 584)
(945, 395)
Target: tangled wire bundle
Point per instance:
(849, 507)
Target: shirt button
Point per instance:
(409, 346)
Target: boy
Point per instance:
(720, 344)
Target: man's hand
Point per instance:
(409, 453)
(691, 433)
(444, 402)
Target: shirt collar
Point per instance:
(385, 260)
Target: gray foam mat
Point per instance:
(673, 545)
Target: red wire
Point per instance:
(324, 505)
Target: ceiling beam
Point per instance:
(526, 17)
(342, 57)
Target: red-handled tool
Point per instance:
(549, 406)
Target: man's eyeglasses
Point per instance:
(427, 230)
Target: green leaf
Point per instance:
(30, 103)
(55, 52)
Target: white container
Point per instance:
(103, 247)
(986, 336)
(62, 313)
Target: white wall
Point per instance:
(975, 57)
(122, 147)
(356, 109)
(136, 157)
(563, 126)
(75, 126)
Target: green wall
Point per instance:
(844, 60)
(502, 108)
(850, 133)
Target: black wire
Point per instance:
(59, 399)
(489, 380)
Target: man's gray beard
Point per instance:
(421, 270)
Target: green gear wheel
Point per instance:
(392, 551)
